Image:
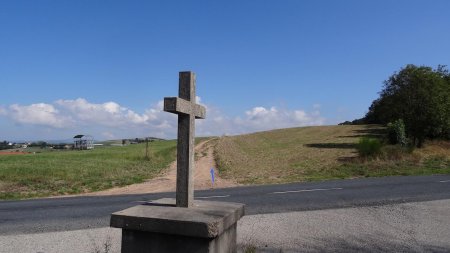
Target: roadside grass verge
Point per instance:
(321, 153)
(71, 172)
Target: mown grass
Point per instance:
(72, 172)
(321, 153)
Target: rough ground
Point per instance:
(411, 227)
(12, 153)
(167, 182)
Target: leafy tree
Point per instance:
(4, 145)
(41, 144)
(421, 97)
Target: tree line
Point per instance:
(416, 98)
(4, 145)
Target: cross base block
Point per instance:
(160, 226)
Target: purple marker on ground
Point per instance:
(212, 177)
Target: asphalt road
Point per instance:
(65, 214)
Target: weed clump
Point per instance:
(397, 133)
(368, 147)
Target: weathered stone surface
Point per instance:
(182, 106)
(167, 225)
(205, 219)
(187, 111)
(145, 242)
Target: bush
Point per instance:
(368, 147)
(396, 132)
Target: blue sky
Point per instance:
(102, 67)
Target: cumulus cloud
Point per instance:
(256, 119)
(111, 120)
(109, 136)
(39, 114)
(107, 114)
(260, 118)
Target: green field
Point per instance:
(278, 156)
(69, 172)
(320, 153)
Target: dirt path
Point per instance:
(13, 153)
(167, 181)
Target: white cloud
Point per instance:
(38, 114)
(109, 136)
(256, 119)
(110, 120)
(119, 119)
(260, 118)
(107, 114)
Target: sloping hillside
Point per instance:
(315, 153)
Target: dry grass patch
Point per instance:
(287, 155)
(318, 153)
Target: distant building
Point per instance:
(83, 142)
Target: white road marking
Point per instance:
(307, 190)
(444, 181)
(213, 197)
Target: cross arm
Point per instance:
(181, 106)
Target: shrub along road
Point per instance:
(63, 214)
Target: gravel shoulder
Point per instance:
(410, 227)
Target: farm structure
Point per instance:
(83, 142)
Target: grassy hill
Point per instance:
(318, 153)
(285, 155)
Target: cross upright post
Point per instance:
(187, 109)
(200, 227)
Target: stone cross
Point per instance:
(187, 111)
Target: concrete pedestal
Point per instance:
(160, 226)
